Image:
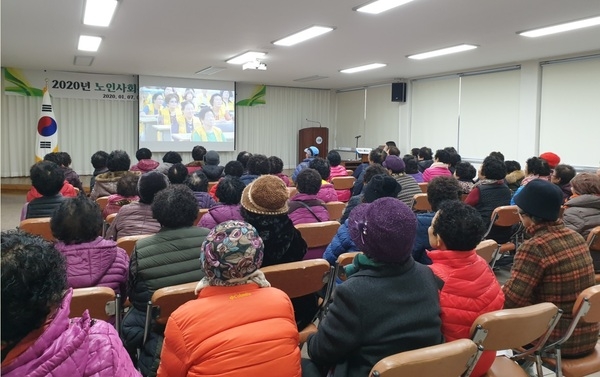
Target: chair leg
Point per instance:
(558, 362)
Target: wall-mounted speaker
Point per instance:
(398, 92)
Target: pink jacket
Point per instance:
(436, 169)
(220, 213)
(115, 202)
(340, 171)
(327, 193)
(145, 165)
(79, 347)
(299, 214)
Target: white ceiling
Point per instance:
(179, 37)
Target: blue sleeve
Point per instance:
(512, 200)
(297, 171)
(340, 244)
(421, 244)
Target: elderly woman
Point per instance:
(198, 183)
(229, 192)
(91, 260)
(38, 338)
(106, 183)
(207, 131)
(126, 193)
(238, 325)
(167, 258)
(582, 212)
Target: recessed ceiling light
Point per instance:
(443, 51)
(246, 57)
(303, 35)
(89, 43)
(99, 12)
(84, 61)
(210, 70)
(379, 6)
(363, 68)
(561, 28)
(311, 78)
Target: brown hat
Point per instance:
(267, 195)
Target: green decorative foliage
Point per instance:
(258, 98)
(22, 87)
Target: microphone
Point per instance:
(313, 121)
(358, 137)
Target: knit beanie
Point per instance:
(212, 158)
(380, 186)
(540, 198)
(266, 195)
(551, 158)
(149, 184)
(384, 230)
(394, 163)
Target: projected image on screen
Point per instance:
(177, 118)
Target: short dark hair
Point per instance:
(212, 98)
(118, 160)
(425, 153)
(537, 166)
(415, 152)
(442, 188)
(321, 165)
(334, 158)
(34, 279)
(127, 185)
(453, 158)
(465, 171)
(47, 178)
(198, 153)
(172, 157)
(204, 111)
(77, 220)
(565, 173)
(442, 156)
(459, 225)
(377, 156)
(149, 184)
(175, 207)
(258, 164)
(511, 166)
(372, 171)
(99, 159)
(64, 159)
(411, 164)
(498, 155)
(52, 157)
(390, 143)
(177, 173)
(143, 154)
(492, 168)
(276, 165)
(234, 168)
(155, 95)
(394, 151)
(197, 181)
(243, 157)
(229, 190)
(308, 181)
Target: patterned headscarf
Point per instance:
(232, 255)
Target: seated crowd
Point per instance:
(415, 281)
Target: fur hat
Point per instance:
(266, 195)
(212, 158)
(551, 158)
(384, 230)
(314, 151)
(394, 163)
(540, 198)
(380, 186)
(149, 184)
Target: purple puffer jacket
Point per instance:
(204, 199)
(132, 220)
(220, 213)
(327, 192)
(299, 214)
(78, 347)
(96, 263)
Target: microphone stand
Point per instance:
(357, 155)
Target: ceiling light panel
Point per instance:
(363, 68)
(303, 35)
(380, 6)
(246, 57)
(443, 51)
(562, 27)
(99, 12)
(89, 43)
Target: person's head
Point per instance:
(586, 183)
(143, 154)
(34, 280)
(229, 190)
(243, 158)
(225, 94)
(198, 153)
(321, 165)
(539, 201)
(411, 164)
(384, 230)
(394, 164)
(393, 151)
(497, 155)
(189, 94)
(537, 166)
(234, 168)
(372, 171)
(563, 174)
(377, 156)
(465, 171)
(232, 251)
(492, 168)
(216, 100)
(207, 116)
(127, 185)
(197, 181)
(276, 165)
(511, 166)
(551, 158)
(311, 151)
(149, 184)
(157, 99)
(415, 152)
(266, 195)
(53, 157)
(175, 207)
(118, 160)
(334, 158)
(453, 156)
(212, 158)
(47, 178)
(172, 100)
(77, 220)
(442, 188)
(456, 226)
(99, 159)
(188, 108)
(177, 173)
(172, 157)
(381, 186)
(259, 164)
(390, 144)
(425, 153)
(64, 159)
(442, 155)
(308, 181)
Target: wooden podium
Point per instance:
(315, 136)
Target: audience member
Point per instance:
(355, 200)
(229, 193)
(535, 168)
(412, 168)
(438, 167)
(562, 176)
(243, 158)
(98, 161)
(198, 153)
(388, 145)
(582, 210)
(326, 193)
(198, 183)
(425, 158)
(276, 169)
(118, 165)
(311, 153)
(64, 161)
(454, 158)
(126, 193)
(376, 157)
(497, 155)
(211, 168)
(145, 161)
(47, 179)
(177, 173)
(258, 164)
(393, 151)
(465, 173)
(551, 158)
(415, 152)
(233, 169)
(305, 207)
(514, 175)
(336, 169)
(409, 187)
(168, 160)
(66, 189)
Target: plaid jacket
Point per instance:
(554, 265)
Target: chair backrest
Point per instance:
(318, 234)
(102, 202)
(503, 216)
(594, 239)
(100, 301)
(335, 209)
(486, 249)
(343, 183)
(423, 186)
(450, 359)
(110, 218)
(201, 212)
(128, 243)
(211, 185)
(298, 278)
(39, 226)
(292, 191)
(420, 203)
(349, 171)
(167, 300)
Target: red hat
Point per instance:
(551, 158)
